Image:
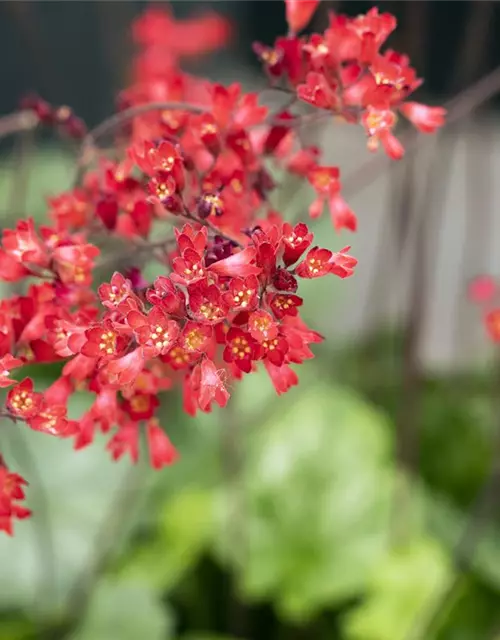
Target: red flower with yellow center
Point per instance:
(240, 349)
(22, 401)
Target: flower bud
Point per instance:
(283, 280)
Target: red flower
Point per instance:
(8, 362)
(239, 265)
(161, 450)
(296, 240)
(157, 27)
(325, 181)
(285, 305)
(104, 341)
(114, 293)
(189, 268)
(125, 440)
(125, 370)
(425, 119)
(74, 263)
(162, 159)
(492, 322)
(378, 124)
(140, 406)
(319, 92)
(51, 419)
(162, 188)
(282, 376)
(240, 349)
(156, 333)
(482, 289)
(165, 295)
(195, 337)
(342, 264)
(273, 350)
(11, 492)
(11, 269)
(24, 244)
(316, 264)
(261, 326)
(243, 293)
(299, 13)
(211, 386)
(207, 303)
(22, 402)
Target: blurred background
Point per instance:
(364, 504)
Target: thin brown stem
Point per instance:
(17, 122)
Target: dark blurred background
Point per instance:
(77, 52)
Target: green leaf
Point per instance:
(402, 589)
(307, 523)
(125, 611)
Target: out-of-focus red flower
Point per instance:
(299, 13)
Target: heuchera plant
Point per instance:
(196, 158)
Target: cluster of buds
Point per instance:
(62, 117)
(196, 158)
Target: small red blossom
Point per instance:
(243, 293)
(342, 264)
(161, 451)
(7, 363)
(296, 240)
(316, 264)
(11, 493)
(425, 119)
(482, 289)
(239, 265)
(25, 245)
(155, 332)
(22, 401)
(211, 386)
(141, 406)
(74, 263)
(262, 326)
(285, 305)
(117, 291)
(492, 323)
(240, 349)
(207, 303)
(378, 124)
(282, 376)
(104, 341)
(299, 13)
(125, 440)
(325, 181)
(52, 419)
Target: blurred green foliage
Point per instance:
(279, 521)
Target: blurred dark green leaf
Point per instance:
(401, 589)
(125, 610)
(313, 503)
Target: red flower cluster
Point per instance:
(195, 158)
(343, 70)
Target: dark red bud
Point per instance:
(283, 280)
